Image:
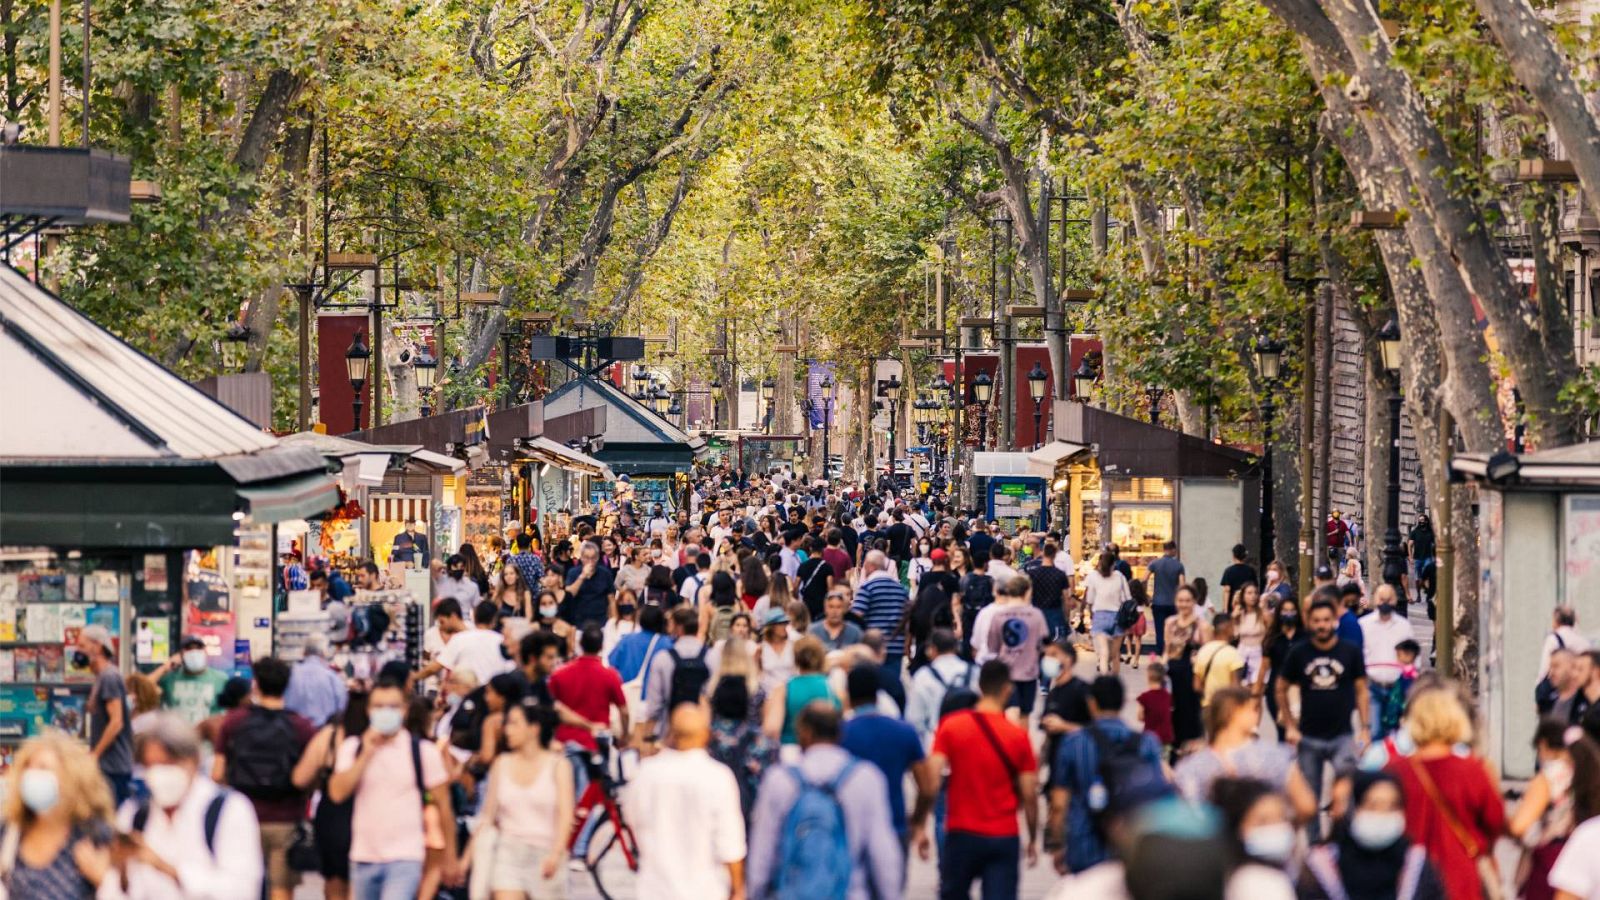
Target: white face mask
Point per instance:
(1050, 667)
(167, 783)
(548, 612)
(1377, 830)
(40, 790)
(194, 661)
(1270, 843)
(387, 719)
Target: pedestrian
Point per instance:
(1238, 573)
(520, 847)
(1453, 804)
(635, 569)
(56, 837)
(1564, 635)
(1382, 632)
(786, 699)
(456, 585)
(683, 783)
(1052, 590)
(737, 739)
(330, 823)
(892, 746)
(1015, 634)
(1421, 545)
(722, 604)
(590, 585)
(185, 839)
(982, 842)
(1350, 596)
(1332, 680)
(935, 606)
(257, 749)
(1277, 585)
(1066, 702)
(1370, 854)
(592, 691)
(1282, 635)
(880, 602)
(815, 577)
(976, 590)
(1545, 816)
(946, 670)
(1093, 769)
(1338, 535)
(1104, 591)
(624, 621)
(1232, 749)
(832, 629)
(1217, 664)
(110, 731)
(1576, 872)
(1155, 705)
(1257, 828)
(1186, 632)
(775, 656)
(1251, 619)
(677, 675)
(515, 594)
(478, 649)
(823, 822)
(392, 775)
(1585, 671)
(316, 690)
(188, 684)
(476, 571)
(1166, 574)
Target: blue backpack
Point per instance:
(814, 861)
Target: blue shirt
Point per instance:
(1077, 768)
(632, 654)
(315, 691)
(889, 744)
(1350, 629)
(881, 604)
(530, 568)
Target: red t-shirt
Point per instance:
(1463, 784)
(980, 796)
(589, 689)
(1157, 706)
(279, 810)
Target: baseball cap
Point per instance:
(97, 634)
(938, 555)
(192, 641)
(1324, 572)
(774, 617)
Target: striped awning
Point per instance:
(399, 508)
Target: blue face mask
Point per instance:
(387, 719)
(40, 790)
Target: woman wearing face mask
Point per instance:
(920, 565)
(623, 622)
(1232, 750)
(1370, 855)
(331, 823)
(547, 619)
(1453, 804)
(55, 843)
(529, 803)
(1256, 826)
(1278, 587)
(1283, 633)
(1545, 816)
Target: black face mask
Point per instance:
(457, 573)
(625, 609)
(80, 659)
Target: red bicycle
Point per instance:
(599, 802)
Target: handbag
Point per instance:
(1488, 873)
(302, 854)
(485, 844)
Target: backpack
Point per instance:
(977, 591)
(262, 754)
(1127, 614)
(466, 724)
(721, 623)
(957, 697)
(689, 677)
(1120, 768)
(814, 861)
(213, 817)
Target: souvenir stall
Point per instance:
(656, 455)
(113, 468)
(1118, 480)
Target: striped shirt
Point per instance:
(881, 603)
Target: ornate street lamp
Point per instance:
(1269, 364)
(427, 369)
(827, 424)
(982, 390)
(891, 391)
(1037, 378)
(768, 388)
(1083, 381)
(356, 361)
(1269, 358)
(1394, 556)
(641, 377)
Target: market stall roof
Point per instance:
(990, 465)
(637, 440)
(561, 456)
(375, 460)
(1043, 461)
(1131, 447)
(104, 447)
(1576, 465)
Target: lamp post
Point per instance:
(982, 390)
(427, 369)
(827, 425)
(1036, 385)
(235, 346)
(356, 361)
(1394, 556)
(1154, 395)
(768, 387)
(891, 390)
(1083, 381)
(716, 401)
(641, 377)
(1269, 365)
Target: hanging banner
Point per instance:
(822, 403)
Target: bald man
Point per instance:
(881, 603)
(682, 783)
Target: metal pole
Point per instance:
(1268, 523)
(54, 118)
(1038, 418)
(356, 404)
(86, 83)
(1308, 389)
(1394, 556)
(1444, 631)
(304, 291)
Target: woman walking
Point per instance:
(1370, 854)
(56, 840)
(1186, 631)
(1252, 622)
(1104, 590)
(1283, 633)
(529, 805)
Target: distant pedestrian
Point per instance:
(881, 602)
(1166, 573)
(110, 725)
(316, 690)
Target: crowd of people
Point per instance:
(814, 685)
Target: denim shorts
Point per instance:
(1105, 622)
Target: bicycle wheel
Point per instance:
(599, 860)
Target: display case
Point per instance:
(1141, 519)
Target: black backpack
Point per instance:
(957, 697)
(977, 591)
(262, 754)
(1120, 769)
(689, 677)
(466, 724)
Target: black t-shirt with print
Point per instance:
(1327, 682)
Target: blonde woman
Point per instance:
(671, 547)
(57, 830)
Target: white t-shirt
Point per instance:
(1378, 640)
(690, 591)
(1063, 561)
(1577, 869)
(1105, 593)
(1000, 572)
(478, 651)
(678, 786)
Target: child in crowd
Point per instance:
(1406, 653)
(1155, 704)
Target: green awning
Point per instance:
(647, 459)
(294, 498)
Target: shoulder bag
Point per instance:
(1488, 874)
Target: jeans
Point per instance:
(578, 755)
(121, 787)
(1312, 754)
(1380, 700)
(1161, 615)
(995, 861)
(938, 820)
(1056, 620)
(893, 663)
(397, 880)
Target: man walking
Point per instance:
(1382, 630)
(316, 691)
(1332, 678)
(801, 810)
(110, 731)
(832, 629)
(189, 686)
(982, 843)
(1422, 545)
(675, 675)
(889, 744)
(881, 603)
(527, 562)
(683, 784)
(1166, 573)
